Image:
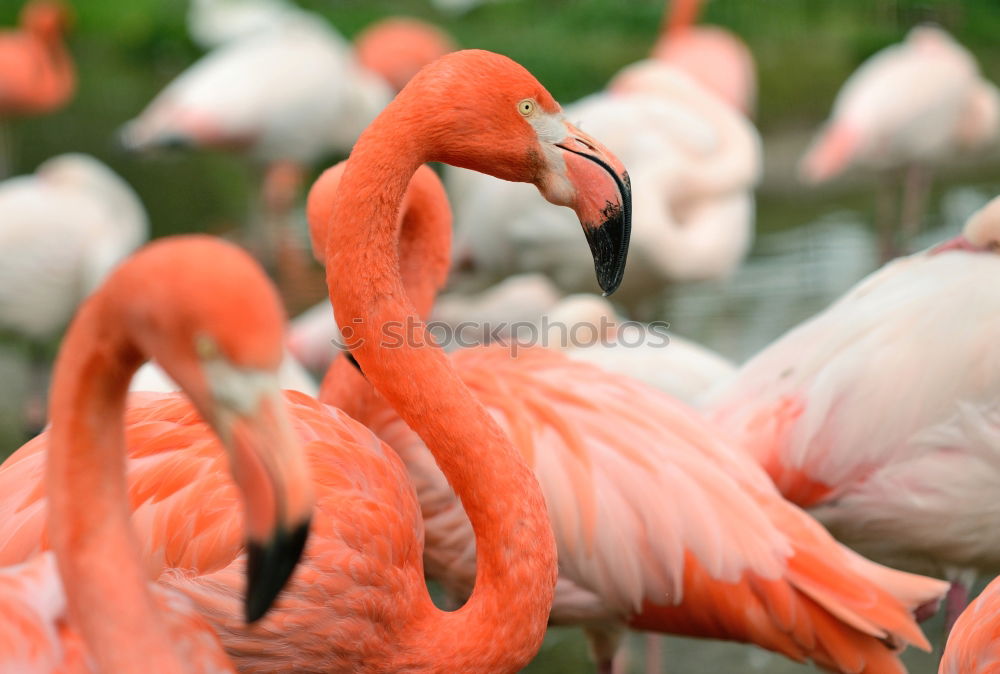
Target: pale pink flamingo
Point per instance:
(61, 230)
(909, 106)
(37, 75)
(662, 523)
(284, 97)
(397, 47)
(213, 23)
(714, 57)
(359, 601)
(215, 342)
(694, 163)
(880, 413)
(974, 642)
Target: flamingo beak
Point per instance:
(596, 186)
(271, 472)
(957, 243)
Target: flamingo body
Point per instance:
(36, 72)
(186, 512)
(716, 59)
(880, 413)
(38, 639)
(919, 101)
(61, 230)
(291, 93)
(725, 556)
(397, 47)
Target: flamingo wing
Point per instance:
(974, 643)
(669, 523)
(362, 559)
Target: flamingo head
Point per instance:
(216, 325)
(981, 233)
(492, 116)
(46, 18)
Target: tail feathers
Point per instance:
(844, 615)
(831, 153)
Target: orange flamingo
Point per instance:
(36, 71)
(974, 643)
(662, 523)
(714, 57)
(359, 602)
(398, 47)
(213, 342)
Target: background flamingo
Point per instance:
(909, 106)
(36, 70)
(880, 413)
(115, 613)
(61, 230)
(714, 57)
(397, 47)
(723, 546)
(360, 602)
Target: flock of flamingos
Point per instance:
(233, 525)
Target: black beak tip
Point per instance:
(609, 241)
(269, 566)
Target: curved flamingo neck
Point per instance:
(107, 594)
(424, 235)
(502, 625)
(678, 16)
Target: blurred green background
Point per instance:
(127, 51)
(804, 49)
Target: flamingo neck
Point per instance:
(679, 16)
(55, 75)
(424, 235)
(502, 625)
(98, 555)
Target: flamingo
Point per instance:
(880, 413)
(693, 160)
(216, 342)
(973, 644)
(359, 601)
(712, 56)
(662, 523)
(284, 97)
(36, 71)
(908, 106)
(397, 47)
(213, 23)
(61, 230)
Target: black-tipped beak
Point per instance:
(609, 240)
(603, 202)
(269, 566)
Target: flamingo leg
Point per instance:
(604, 648)
(6, 150)
(654, 653)
(955, 602)
(916, 189)
(35, 404)
(885, 215)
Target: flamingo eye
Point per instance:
(205, 347)
(526, 107)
